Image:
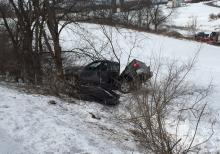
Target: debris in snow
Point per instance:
(52, 102)
(95, 116)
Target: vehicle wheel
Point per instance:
(125, 87)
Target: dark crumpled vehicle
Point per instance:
(97, 94)
(106, 74)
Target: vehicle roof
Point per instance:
(109, 61)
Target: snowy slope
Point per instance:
(28, 124)
(201, 11)
(184, 15)
(31, 125)
(149, 46)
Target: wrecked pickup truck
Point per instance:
(106, 74)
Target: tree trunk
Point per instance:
(52, 24)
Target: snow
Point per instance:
(184, 15)
(28, 124)
(217, 3)
(7, 144)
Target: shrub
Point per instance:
(175, 34)
(169, 94)
(213, 16)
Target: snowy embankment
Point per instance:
(149, 47)
(28, 124)
(31, 125)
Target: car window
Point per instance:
(94, 66)
(114, 67)
(104, 66)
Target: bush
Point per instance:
(175, 34)
(6, 55)
(154, 108)
(9, 64)
(213, 16)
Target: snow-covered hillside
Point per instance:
(29, 124)
(199, 12)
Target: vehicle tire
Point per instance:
(125, 86)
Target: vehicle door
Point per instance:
(115, 73)
(110, 74)
(90, 74)
(103, 73)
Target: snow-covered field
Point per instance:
(217, 3)
(185, 15)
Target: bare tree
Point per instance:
(53, 26)
(146, 14)
(192, 25)
(157, 15)
(155, 105)
(22, 37)
(57, 18)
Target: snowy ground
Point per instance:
(183, 17)
(28, 124)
